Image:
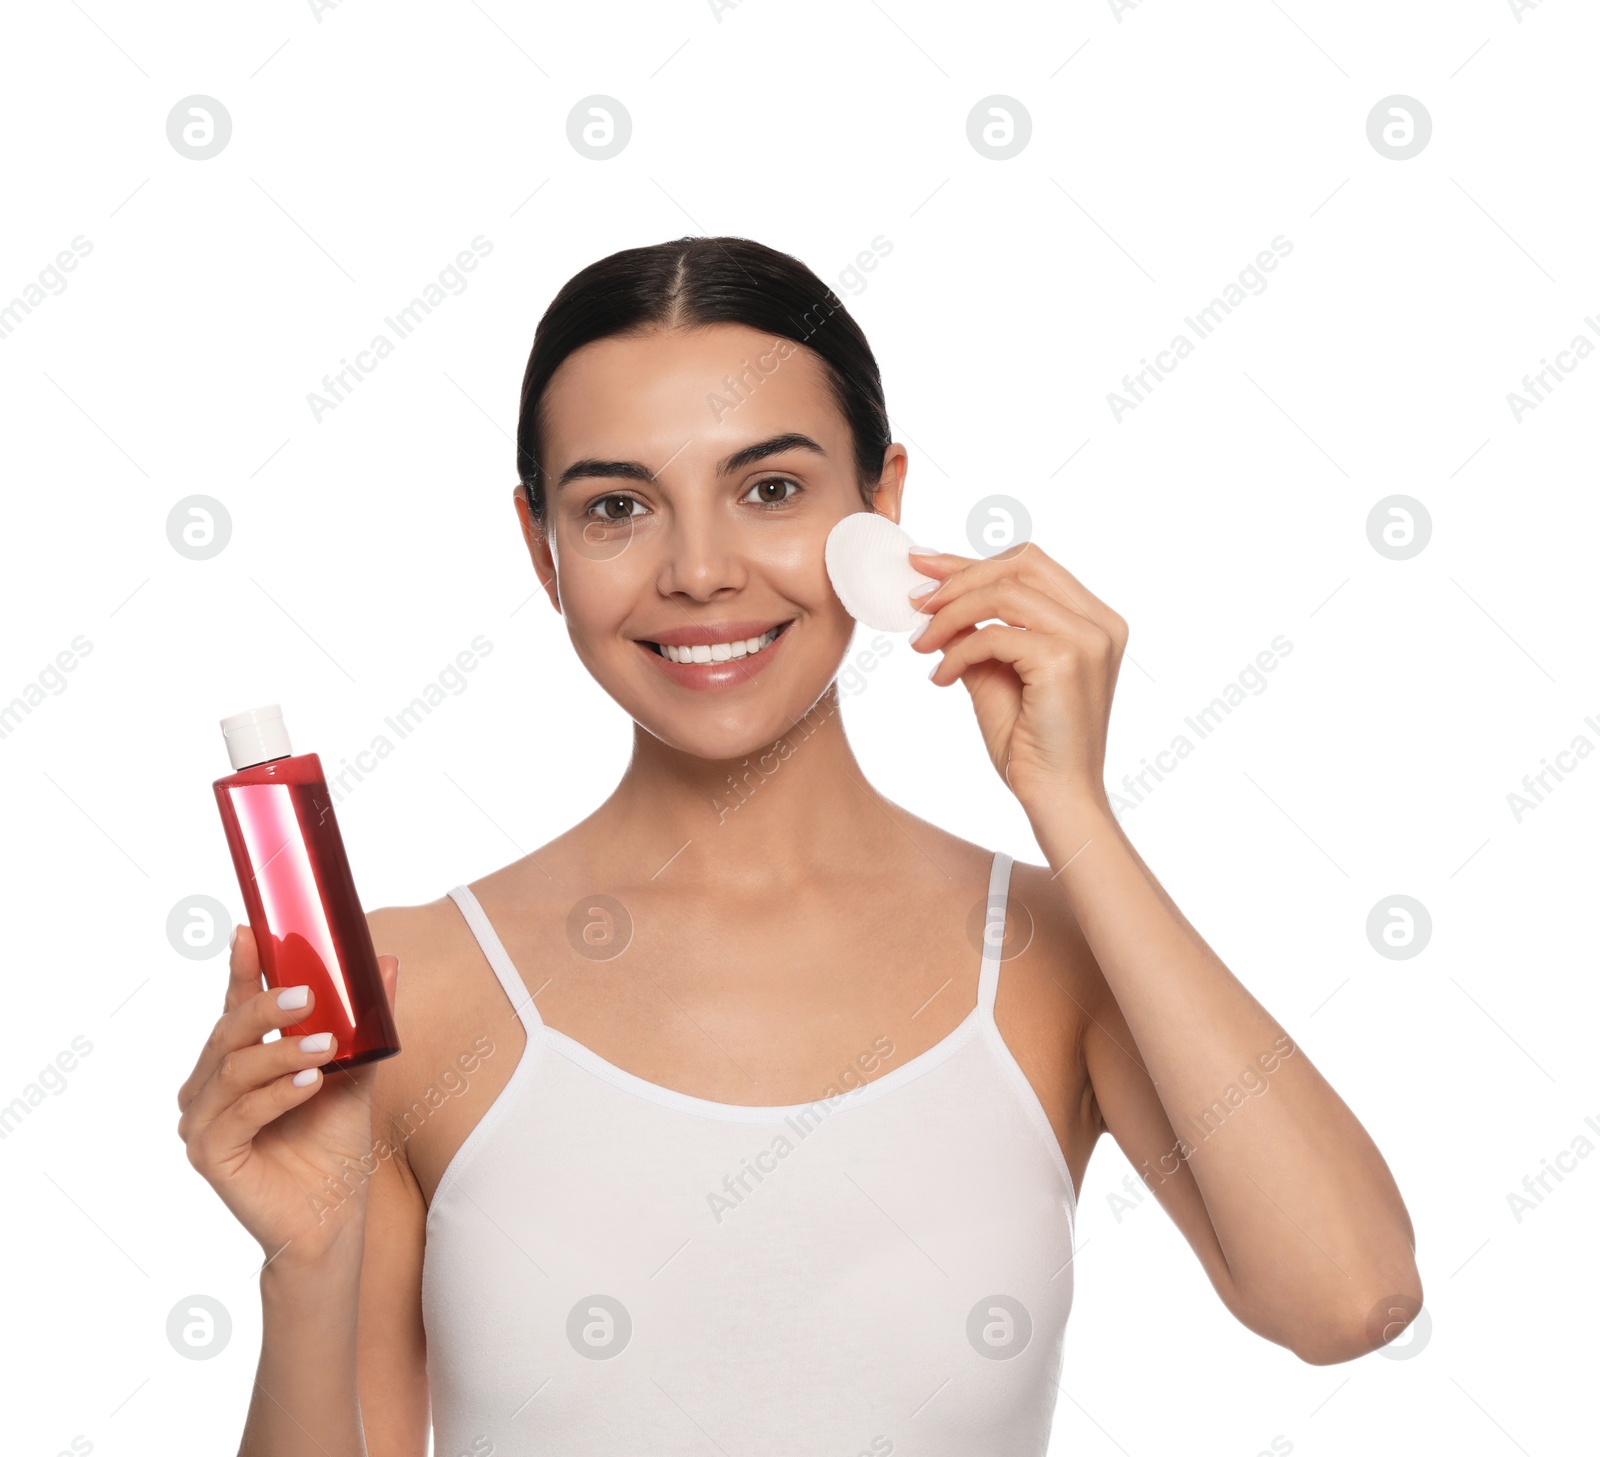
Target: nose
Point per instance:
(702, 555)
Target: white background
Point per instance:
(1169, 145)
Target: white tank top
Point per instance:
(616, 1269)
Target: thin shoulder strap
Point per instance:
(994, 931)
(495, 953)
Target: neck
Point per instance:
(793, 809)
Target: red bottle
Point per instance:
(299, 896)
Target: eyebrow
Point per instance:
(633, 470)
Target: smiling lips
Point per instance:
(714, 657)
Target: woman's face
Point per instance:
(691, 479)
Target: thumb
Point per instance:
(362, 1078)
(389, 970)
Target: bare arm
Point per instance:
(391, 1350)
(343, 1356)
(305, 1397)
(340, 1317)
(1309, 1242)
(1275, 1183)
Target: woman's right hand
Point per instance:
(291, 1162)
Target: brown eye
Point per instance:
(777, 484)
(605, 502)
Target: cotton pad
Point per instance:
(868, 563)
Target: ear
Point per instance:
(891, 483)
(538, 546)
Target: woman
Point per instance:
(749, 1113)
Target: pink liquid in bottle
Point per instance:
(299, 895)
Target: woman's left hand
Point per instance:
(1041, 678)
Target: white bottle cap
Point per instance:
(255, 736)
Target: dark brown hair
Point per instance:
(692, 282)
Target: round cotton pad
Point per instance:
(867, 561)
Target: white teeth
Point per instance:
(720, 652)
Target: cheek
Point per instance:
(820, 597)
(599, 579)
(796, 568)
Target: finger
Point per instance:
(1035, 561)
(246, 1069)
(940, 563)
(244, 968)
(389, 970)
(218, 1146)
(998, 643)
(1012, 601)
(1033, 565)
(244, 1026)
(362, 1079)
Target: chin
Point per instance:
(726, 735)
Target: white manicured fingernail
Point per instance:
(305, 1077)
(919, 629)
(233, 936)
(316, 1042)
(291, 997)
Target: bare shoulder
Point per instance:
(434, 946)
(450, 1013)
